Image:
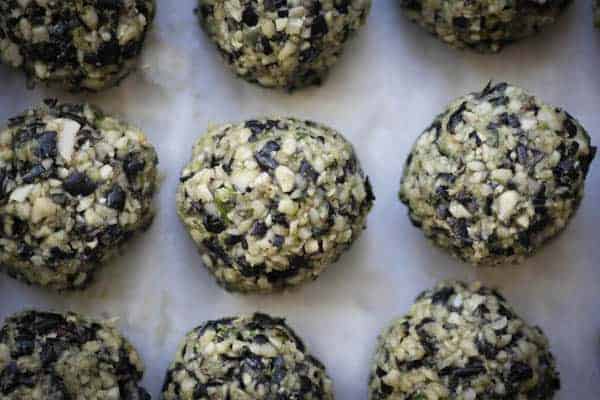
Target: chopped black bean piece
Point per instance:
(213, 223)
(35, 172)
(307, 171)
(133, 165)
(443, 295)
(116, 198)
(319, 27)
(456, 118)
(264, 156)
(47, 145)
(249, 16)
(79, 184)
(520, 371)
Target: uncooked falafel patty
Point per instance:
(462, 341)
(76, 44)
(496, 175)
(272, 202)
(75, 185)
(483, 25)
(50, 356)
(282, 43)
(246, 357)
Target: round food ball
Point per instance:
(496, 175)
(483, 25)
(53, 356)
(282, 43)
(78, 45)
(272, 202)
(463, 342)
(75, 185)
(246, 357)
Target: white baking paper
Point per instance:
(390, 83)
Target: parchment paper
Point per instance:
(392, 80)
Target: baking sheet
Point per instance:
(393, 79)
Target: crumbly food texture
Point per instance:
(254, 357)
(462, 341)
(50, 356)
(483, 25)
(496, 175)
(272, 202)
(282, 43)
(75, 184)
(77, 44)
